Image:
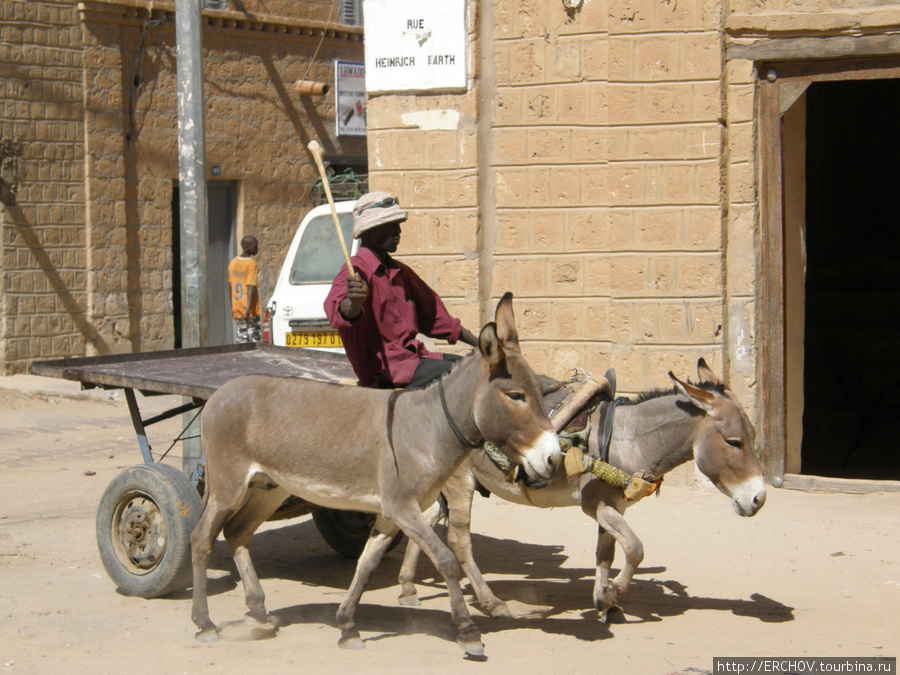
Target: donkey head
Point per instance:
(508, 408)
(725, 443)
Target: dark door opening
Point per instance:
(222, 210)
(851, 378)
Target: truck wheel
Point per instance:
(144, 526)
(347, 531)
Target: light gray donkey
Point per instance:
(381, 451)
(652, 435)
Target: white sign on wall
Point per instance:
(415, 45)
(350, 98)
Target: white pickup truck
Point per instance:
(296, 307)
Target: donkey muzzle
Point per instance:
(539, 462)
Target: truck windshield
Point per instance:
(319, 255)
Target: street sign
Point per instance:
(415, 45)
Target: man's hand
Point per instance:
(357, 292)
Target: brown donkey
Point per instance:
(652, 435)
(380, 451)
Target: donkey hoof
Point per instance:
(207, 635)
(409, 600)
(470, 640)
(499, 611)
(475, 648)
(350, 639)
(612, 614)
(260, 630)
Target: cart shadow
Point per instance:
(545, 596)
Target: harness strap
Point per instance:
(456, 432)
(605, 428)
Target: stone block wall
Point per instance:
(601, 150)
(89, 93)
(43, 277)
(423, 149)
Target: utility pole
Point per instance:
(192, 192)
(192, 175)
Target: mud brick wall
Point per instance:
(89, 98)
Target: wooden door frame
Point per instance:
(780, 85)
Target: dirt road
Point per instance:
(812, 575)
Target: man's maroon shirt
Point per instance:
(381, 342)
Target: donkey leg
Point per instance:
(408, 594)
(459, 493)
(407, 577)
(413, 523)
(202, 539)
(238, 531)
(613, 528)
(606, 551)
(377, 545)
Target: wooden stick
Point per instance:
(316, 151)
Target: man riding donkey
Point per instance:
(381, 308)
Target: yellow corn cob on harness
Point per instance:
(636, 486)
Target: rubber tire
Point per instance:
(165, 505)
(347, 531)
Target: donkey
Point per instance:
(653, 434)
(386, 452)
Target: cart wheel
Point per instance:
(144, 526)
(347, 531)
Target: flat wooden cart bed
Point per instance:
(147, 514)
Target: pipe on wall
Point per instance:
(310, 88)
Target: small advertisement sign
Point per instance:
(350, 98)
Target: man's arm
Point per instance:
(251, 295)
(468, 337)
(435, 320)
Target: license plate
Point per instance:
(313, 340)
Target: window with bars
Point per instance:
(351, 12)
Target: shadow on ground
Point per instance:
(544, 594)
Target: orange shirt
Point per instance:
(242, 273)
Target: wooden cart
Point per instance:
(147, 514)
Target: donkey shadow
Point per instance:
(545, 594)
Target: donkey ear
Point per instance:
(506, 321)
(699, 397)
(706, 373)
(489, 344)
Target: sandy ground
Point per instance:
(812, 575)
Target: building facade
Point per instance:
(655, 181)
(89, 128)
(640, 175)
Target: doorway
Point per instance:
(831, 267)
(222, 210)
(851, 415)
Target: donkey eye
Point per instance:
(735, 443)
(515, 395)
